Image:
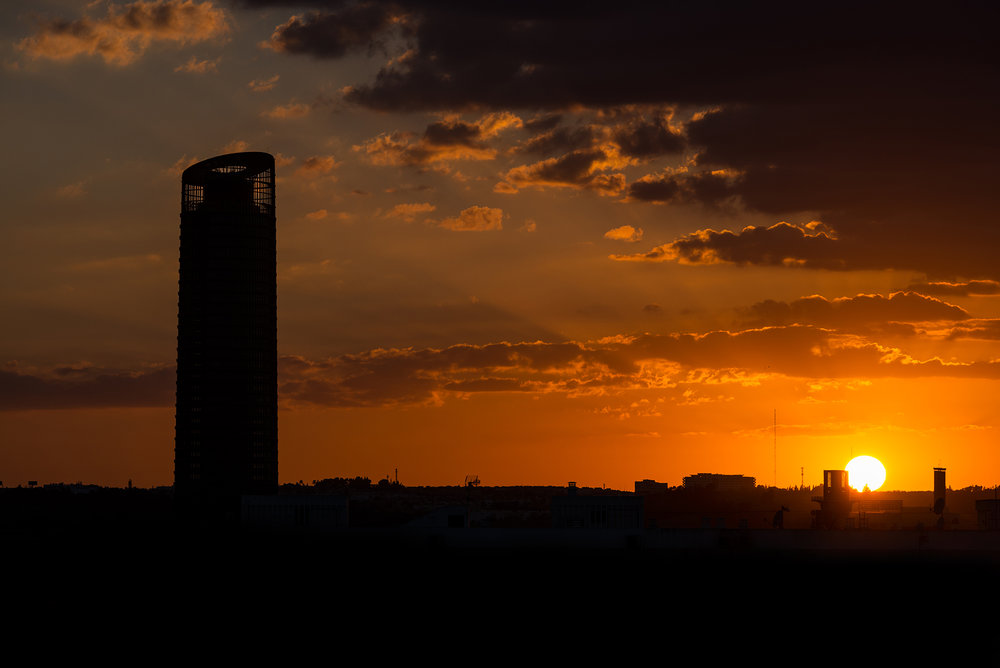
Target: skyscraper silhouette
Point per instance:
(227, 416)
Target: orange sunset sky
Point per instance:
(537, 242)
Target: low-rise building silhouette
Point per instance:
(597, 511)
(720, 482)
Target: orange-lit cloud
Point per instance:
(486, 127)
(582, 170)
(649, 362)
(195, 66)
(638, 133)
(399, 149)
(852, 313)
(263, 85)
(987, 329)
(624, 233)
(182, 163)
(288, 111)
(475, 219)
(126, 31)
(409, 212)
(316, 165)
(447, 140)
(781, 245)
(686, 364)
(236, 146)
(966, 289)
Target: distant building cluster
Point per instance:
(720, 482)
(573, 511)
(648, 486)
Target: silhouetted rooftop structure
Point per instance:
(578, 511)
(720, 482)
(648, 486)
(835, 504)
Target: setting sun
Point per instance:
(865, 471)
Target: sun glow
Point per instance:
(865, 471)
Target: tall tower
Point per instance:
(226, 440)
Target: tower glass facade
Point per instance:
(226, 440)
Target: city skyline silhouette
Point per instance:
(533, 245)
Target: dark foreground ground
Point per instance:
(365, 567)
(167, 593)
(133, 583)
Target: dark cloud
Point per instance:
(984, 329)
(443, 141)
(645, 138)
(560, 140)
(543, 123)
(860, 313)
(409, 376)
(86, 387)
(403, 376)
(520, 54)
(636, 132)
(555, 55)
(710, 188)
(907, 177)
(333, 34)
(777, 245)
(582, 170)
(451, 133)
(72, 370)
(879, 120)
(967, 289)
